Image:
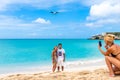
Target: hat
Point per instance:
(109, 38)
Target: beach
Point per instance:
(86, 71)
(23, 61)
(59, 39)
(94, 74)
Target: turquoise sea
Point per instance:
(28, 52)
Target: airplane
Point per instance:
(54, 12)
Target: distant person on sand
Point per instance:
(112, 55)
(60, 57)
(54, 58)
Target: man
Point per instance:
(60, 57)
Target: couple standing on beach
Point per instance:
(58, 57)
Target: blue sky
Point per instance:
(76, 18)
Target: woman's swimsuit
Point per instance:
(113, 55)
(54, 58)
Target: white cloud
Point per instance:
(102, 22)
(8, 21)
(42, 21)
(6, 4)
(33, 34)
(14, 23)
(11, 26)
(106, 12)
(62, 10)
(105, 9)
(3, 4)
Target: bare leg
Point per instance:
(109, 65)
(116, 64)
(62, 68)
(54, 67)
(58, 68)
(114, 61)
(115, 68)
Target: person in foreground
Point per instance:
(54, 58)
(60, 57)
(112, 54)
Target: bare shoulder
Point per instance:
(53, 52)
(113, 46)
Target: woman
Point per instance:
(54, 58)
(112, 55)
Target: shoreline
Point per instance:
(91, 71)
(69, 65)
(41, 70)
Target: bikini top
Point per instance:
(118, 48)
(113, 55)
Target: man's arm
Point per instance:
(64, 57)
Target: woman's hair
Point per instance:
(109, 38)
(54, 47)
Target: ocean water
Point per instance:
(28, 52)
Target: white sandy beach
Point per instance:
(94, 74)
(92, 71)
